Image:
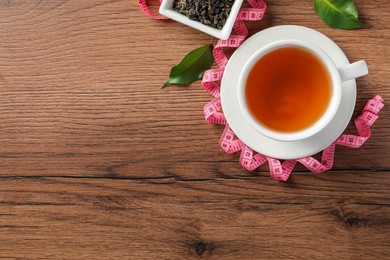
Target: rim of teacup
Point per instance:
(322, 122)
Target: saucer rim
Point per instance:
(263, 144)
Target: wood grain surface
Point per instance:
(97, 162)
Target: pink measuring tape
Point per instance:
(145, 9)
(248, 159)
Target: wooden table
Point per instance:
(97, 162)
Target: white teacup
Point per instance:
(337, 75)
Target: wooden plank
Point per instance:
(80, 87)
(314, 217)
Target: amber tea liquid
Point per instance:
(288, 89)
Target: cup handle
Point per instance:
(353, 70)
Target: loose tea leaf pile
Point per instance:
(213, 13)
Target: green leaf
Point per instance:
(341, 14)
(192, 67)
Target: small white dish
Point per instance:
(166, 9)
(261, 143)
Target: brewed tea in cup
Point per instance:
(290, 90)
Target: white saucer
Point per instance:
(261, 143)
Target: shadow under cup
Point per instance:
(289, 90)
